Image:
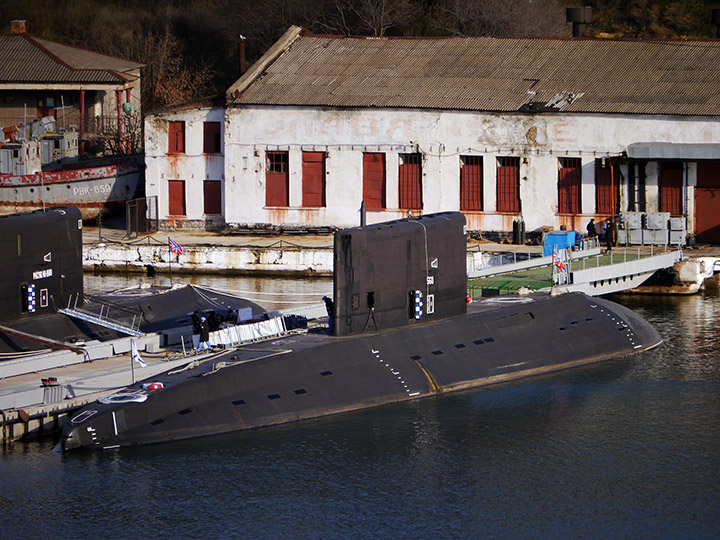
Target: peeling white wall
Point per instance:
(441, 136)
(193, 166)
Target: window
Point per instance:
(569, 180)
(313, 179)
(471, 183)
(508, 184)
(374, 181)
(277, 180)
(636, 186)
(211, 137)
(607, 189)
(176, 138)
(212, 197)
(176, 197)
(410, 182)
(671, 182)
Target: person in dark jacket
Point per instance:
(204, 342)
(609, 233)
(591, 231)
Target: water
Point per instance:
(624, 449)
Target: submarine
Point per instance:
(400, 328)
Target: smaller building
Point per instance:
(185, 166)
(97, 94)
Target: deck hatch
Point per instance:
(185, 411)
(157, 422)
(238, 402)
(326, 373)
(300, 391)
(459, 345)
(437, 353)
(274, 396)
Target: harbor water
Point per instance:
(628, 448)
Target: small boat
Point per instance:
(41, 168)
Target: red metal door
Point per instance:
(277, 180)
(707, 202)
(176, 197)
(313, 181)
(374, 181)
(410, 182)
(569, 186)
(508, 184)
(671, 181)
(471, 183)
(212, 193)
(607, 192)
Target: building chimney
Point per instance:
(17, 27)
(580, 18)
(241, 54)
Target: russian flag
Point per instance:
(175, 247)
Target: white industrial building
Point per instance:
(548, 131)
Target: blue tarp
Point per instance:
(558, 240)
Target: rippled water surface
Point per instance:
(624, 449)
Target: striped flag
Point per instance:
(557, 261)
(135, 354)
(175, 247)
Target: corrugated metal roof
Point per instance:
(678, 77)
(25, 59)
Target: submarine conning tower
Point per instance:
(399, 273)
(42, 261)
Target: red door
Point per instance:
(607, 191)
(471, 183)
(671, 181)
(508, 184)
(313, 182)
(176, 197)
(374, 181)
(569, 186)
(410, 182)
(277, 180)
(212, 194)
(707, 202)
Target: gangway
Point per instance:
(103, 317)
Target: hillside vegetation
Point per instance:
(191, 47)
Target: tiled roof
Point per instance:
(678, 77)
(25, 59)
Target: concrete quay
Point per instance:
(109, 250)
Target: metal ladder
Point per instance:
(103, 319)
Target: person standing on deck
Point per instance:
(609, 233)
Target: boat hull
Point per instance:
(307, 376)
(92, 189)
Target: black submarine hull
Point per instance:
(306, 376)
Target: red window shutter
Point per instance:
(212, 193)
(569, 180)
(374, 181)
(471, 183)
(176, 198)
(176, 137)
(410, 182)
(508, 184)
(313, 179)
